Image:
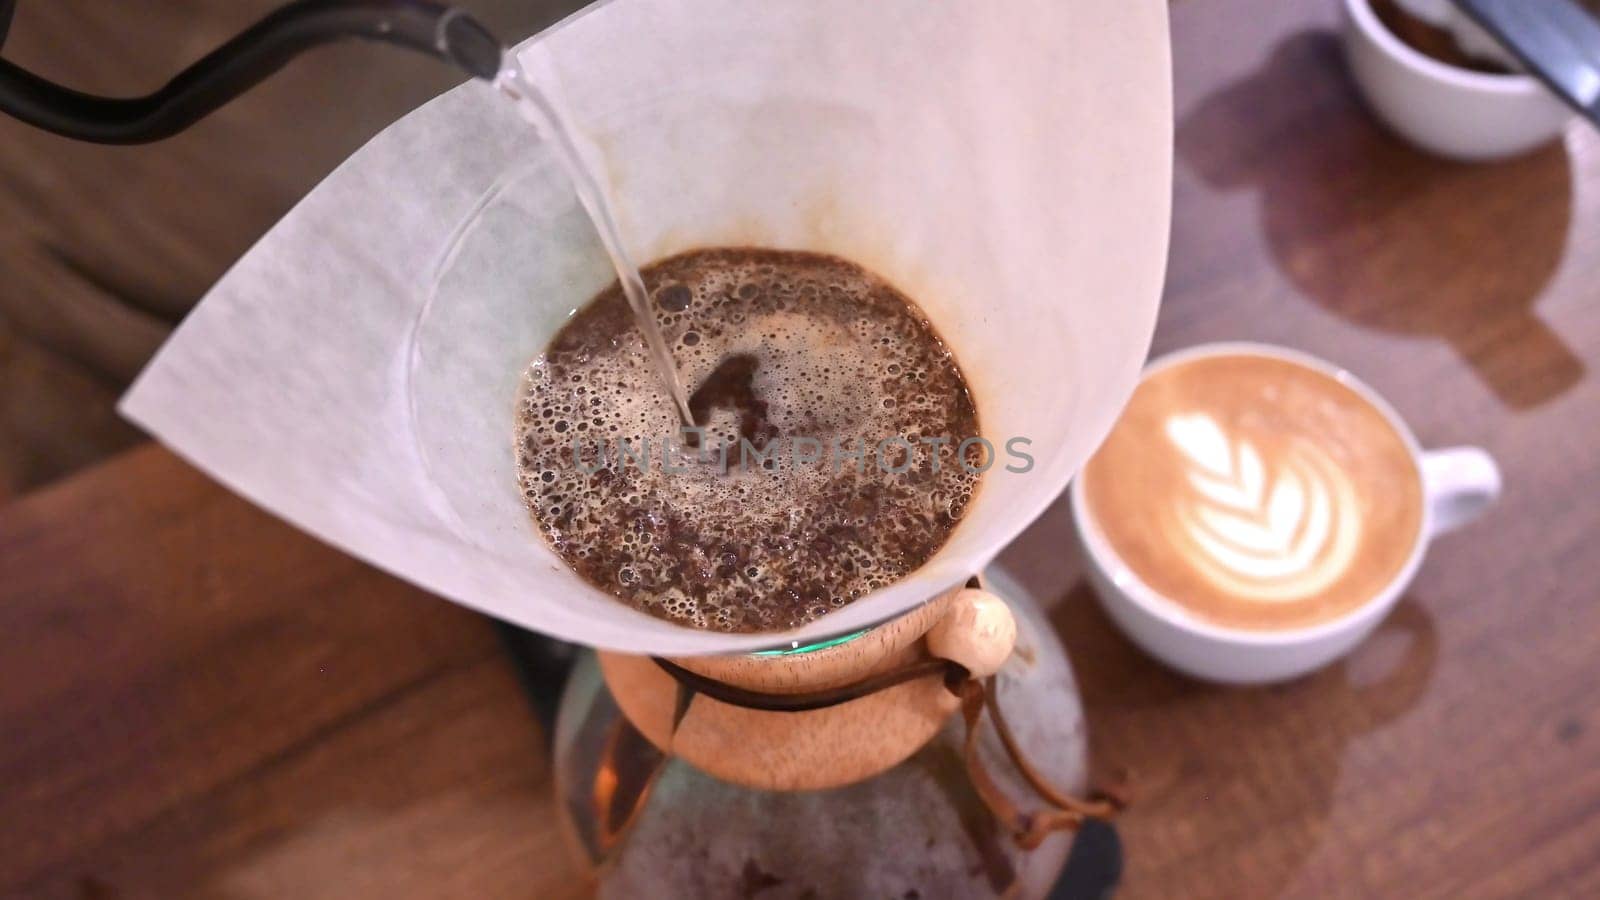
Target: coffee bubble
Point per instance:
(742, 534)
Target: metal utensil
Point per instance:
(1556, 41)
(443, 32)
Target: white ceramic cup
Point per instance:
(1458, 484)
(1441, 108)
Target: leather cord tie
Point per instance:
(1061, 811)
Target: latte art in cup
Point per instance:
(1269, 529)
(1256, 493)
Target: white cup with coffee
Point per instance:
(1445, 109)
(1256, 511)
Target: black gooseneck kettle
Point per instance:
(444, 32)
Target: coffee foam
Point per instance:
(841, 358)
(1272, 530)
(1255, 492)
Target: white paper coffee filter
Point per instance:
(1006, 164)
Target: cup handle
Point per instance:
(1459, 484)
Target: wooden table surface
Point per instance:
(103, 249)
(196, 699)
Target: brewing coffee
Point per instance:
(827, 465)
(1255, 492)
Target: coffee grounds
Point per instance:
(769, 520)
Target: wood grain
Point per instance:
(196, 700)
(104, 249)
(200, 701)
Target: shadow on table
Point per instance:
(1383, 235)
(1227, 775)
(1217, 772)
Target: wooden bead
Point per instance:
(977, 631)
